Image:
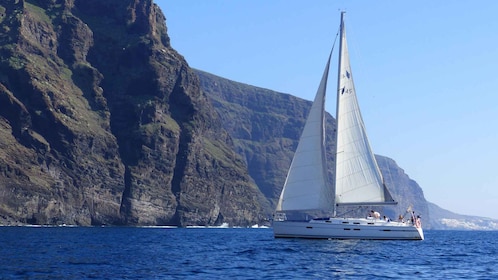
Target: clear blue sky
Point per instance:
(425, 74)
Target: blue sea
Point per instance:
(236, 253)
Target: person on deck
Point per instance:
(375, 214)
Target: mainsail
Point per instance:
(358, 180)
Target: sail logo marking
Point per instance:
(346, 90)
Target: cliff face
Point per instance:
(264, 124)
(102, 122)
(404, 190)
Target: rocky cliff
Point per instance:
(102, 122)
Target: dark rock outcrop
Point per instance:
(102, 122)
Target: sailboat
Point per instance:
(357, 177)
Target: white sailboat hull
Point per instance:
(348, 228)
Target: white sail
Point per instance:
(306, 186)
(358, 180)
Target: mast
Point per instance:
(341, 29)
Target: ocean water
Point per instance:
(234, 253)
